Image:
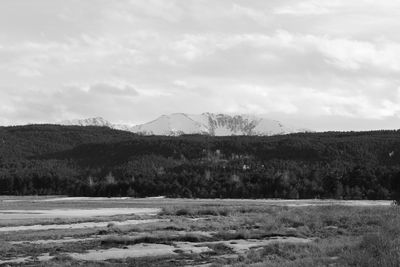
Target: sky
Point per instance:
(318, 64)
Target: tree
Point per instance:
(396, 188)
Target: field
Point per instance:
(54, 231)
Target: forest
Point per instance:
(99, 161)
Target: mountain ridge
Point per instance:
(213, 124)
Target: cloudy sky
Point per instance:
(321, 64)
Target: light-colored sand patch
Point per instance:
(63, 240)
(354, 203)
(101, 237)
(172, 201)
(201, 265)
(12, 200)
(242, 245)
(51, 241)
(196, 219)
(43, 257)
(143, 250)
(201, 233)
(151, 250)
(76, 225)
(74, 213)
(139, 250)
(292, 202)
(83, 199)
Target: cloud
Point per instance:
(340, 52)
(354, 55)
(303, 8)
(105, 88)
(130, 61)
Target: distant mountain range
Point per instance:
(206, 123)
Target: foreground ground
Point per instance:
(46, 231)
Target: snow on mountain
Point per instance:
(174, 124)
(207, 123)
(212, 124)
(98, 121)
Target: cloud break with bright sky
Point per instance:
(321, 64)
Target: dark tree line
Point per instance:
(98, 161)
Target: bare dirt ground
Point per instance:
(58, 231)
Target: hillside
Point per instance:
(30, 140)
(99, 161)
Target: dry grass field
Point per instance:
(53, 231)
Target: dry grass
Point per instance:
(344, 236)
(159, 238)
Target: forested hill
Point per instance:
(98, 161)
(33, 140)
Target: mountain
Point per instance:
(213, 124)
(98, 121)
(207, 123)
(174, 124)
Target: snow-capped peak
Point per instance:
(98, 121)
(174, 124)
(205, 123)
(212, 124)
